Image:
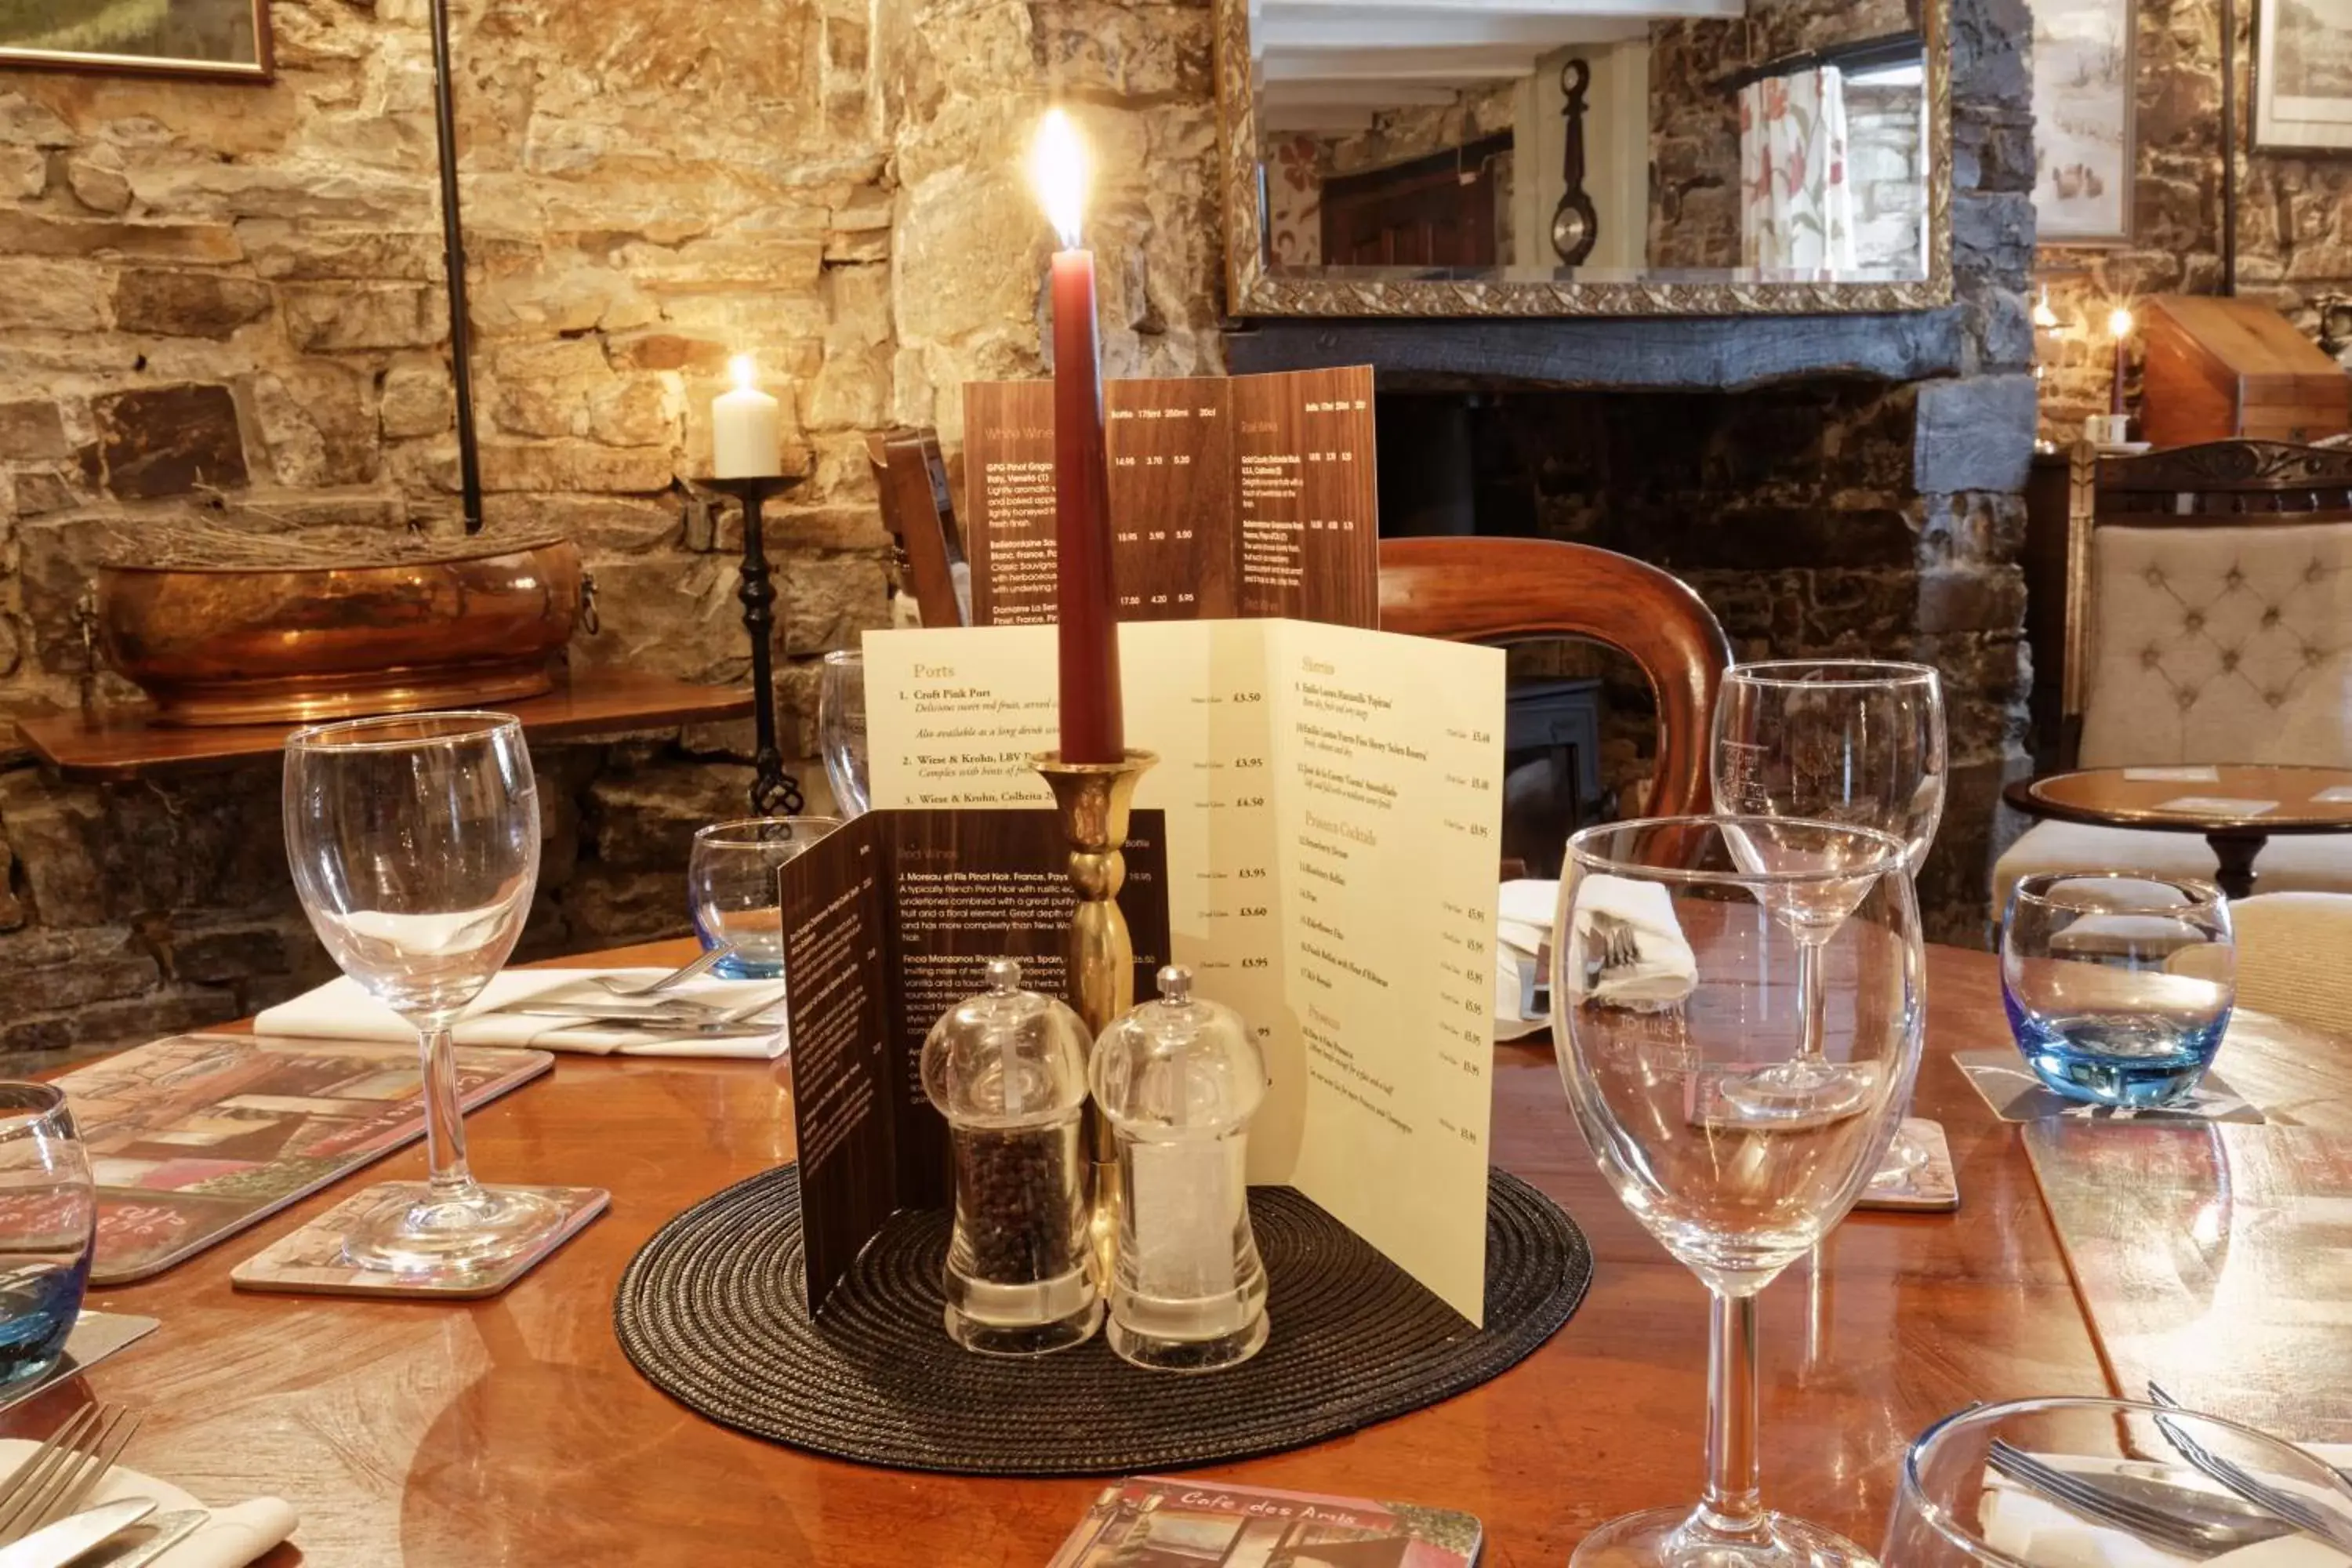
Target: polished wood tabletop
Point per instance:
(512, 1431)
(2254, 799)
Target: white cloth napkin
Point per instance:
(2034, 1529)
(1523, 911)
(231, 1538)
(1663, 970)
(343, 1010)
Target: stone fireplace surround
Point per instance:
(247, 279)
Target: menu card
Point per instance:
(1242, 496)
(1331, 810)
(890, 920)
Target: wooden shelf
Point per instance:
(119, 745)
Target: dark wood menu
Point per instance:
(890, 920)
(1249, 495)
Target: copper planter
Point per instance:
(248, 645)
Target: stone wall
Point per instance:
(2294, 213)
(230, 298)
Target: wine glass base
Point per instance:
(1805, 1090)
(1674, 1538)
(411, 1232)
(1905, 1159)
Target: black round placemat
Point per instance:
(709, 1311)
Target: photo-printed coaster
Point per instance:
(1931, 1186)
(310, 1261)
(2012, 1092)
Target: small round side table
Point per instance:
(2237, 807)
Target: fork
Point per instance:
(661, 982)
(2332, 1528)
(1618, 948)
(53, 1483)
(2182, 1537)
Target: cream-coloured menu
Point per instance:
(1332, 812)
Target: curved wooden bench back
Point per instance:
(1516, 589)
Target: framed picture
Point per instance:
(2084, 149)
(2302, 75)
(228, 40)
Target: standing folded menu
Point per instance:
(1331, 815)
(888, 921)
(1245, 496)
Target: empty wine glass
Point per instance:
(413, 842)
(1671, 979)
(841, 729)
(1977, 1489)
(1851, 740)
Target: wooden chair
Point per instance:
(919, 513)
(2208, 619)
(1520, 590)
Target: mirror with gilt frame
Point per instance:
(1584, 157)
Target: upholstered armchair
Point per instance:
(2209, 620)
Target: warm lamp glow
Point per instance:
(2044, 316)
(1057, 167)
(2120, 322)
(745, 373)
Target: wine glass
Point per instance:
(1975, 1489)
(1851, 741)
(413, 842)
(841, 729)
(1670, 981)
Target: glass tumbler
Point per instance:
(730, 883)
(840, 729)
(1978, 1489)
(2118, 987)
(48, 1226)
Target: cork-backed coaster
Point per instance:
(1931, 1186)
(710, 1314)
(2014, 1094)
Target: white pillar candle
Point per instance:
(746, 428)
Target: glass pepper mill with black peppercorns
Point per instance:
(1008, 1070)
(1178, 1079)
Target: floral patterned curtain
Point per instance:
(1796, 208)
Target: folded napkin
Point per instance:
(1661, 972)
(343, 1010)
(2034, 1529)
(1524, 910)
(231, 1538)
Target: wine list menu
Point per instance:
(890, 920)
(1331, 809)
(1249, 495)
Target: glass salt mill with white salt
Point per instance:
(1178, 1079)
(1008, 1070)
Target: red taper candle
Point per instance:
(1093, 729)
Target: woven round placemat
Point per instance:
(709, 1311)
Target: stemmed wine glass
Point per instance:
(1670, 983)
(413, 842)
(1850, 741)
(841, 729)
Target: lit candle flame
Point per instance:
(2043, 316)
(2119, 322)
(1057, 167)
(746, 374)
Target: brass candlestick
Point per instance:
(1094, 799)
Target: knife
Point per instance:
(665, 1023)
(55, 1546)
(166, 1531)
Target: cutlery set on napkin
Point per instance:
(1625, 950)
(64, 1500)
(2022, 1520)
(568, 1010)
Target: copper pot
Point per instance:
(246, 645)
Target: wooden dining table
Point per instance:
(512, 1431)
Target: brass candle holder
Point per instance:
(1094, 799)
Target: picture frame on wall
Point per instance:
(2085, 146)
(223, 39)
(2303, 76)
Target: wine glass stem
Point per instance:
(1811, 994)
(452, 1180)
(1731, 1507)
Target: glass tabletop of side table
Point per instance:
(2237, 806)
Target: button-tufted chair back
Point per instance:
(2211, 603)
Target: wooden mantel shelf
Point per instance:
(115, 745)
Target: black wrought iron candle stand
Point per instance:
(774, 792)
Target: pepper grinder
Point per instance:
(1178, 1079)
(1007, 1069)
